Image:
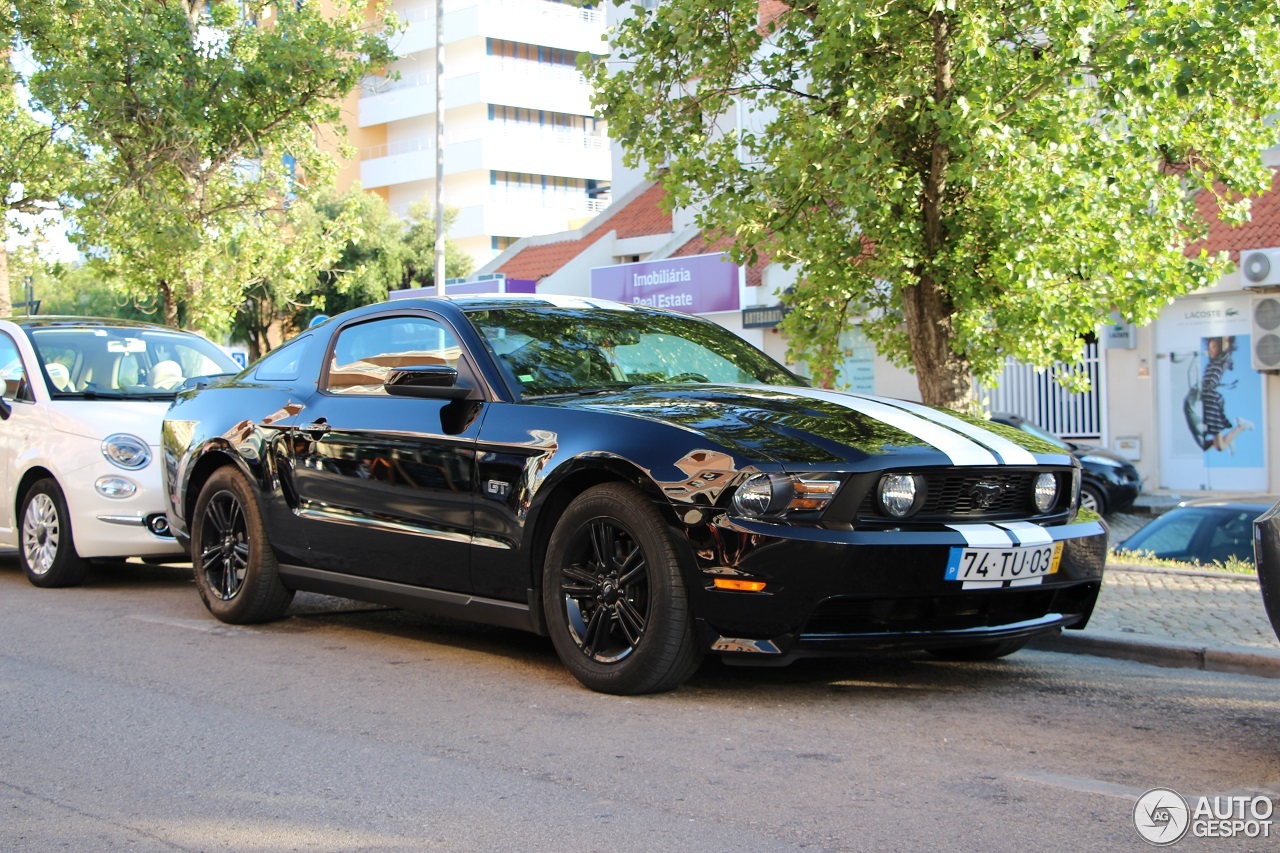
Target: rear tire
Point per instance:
(46, 548)
(979, 651)
(235, 569)
(614, 595)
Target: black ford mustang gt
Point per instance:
(642, 486)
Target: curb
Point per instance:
(1180, 573)
(1242, 660)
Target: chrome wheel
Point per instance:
(224, 555)
(41, 533)
(1091, 500)
(605, 591)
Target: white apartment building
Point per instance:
(524, 154)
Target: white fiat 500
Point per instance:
(79, 435)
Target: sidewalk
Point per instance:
(1171, 617)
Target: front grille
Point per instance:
(956, 495)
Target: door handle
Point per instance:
(315, 430)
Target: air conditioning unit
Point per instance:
(1264, 343)
(1260, 267)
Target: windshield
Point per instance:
(106, 362)
(556, 350)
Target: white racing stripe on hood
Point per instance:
(983, 535)
(1011, 453)
(961, 449)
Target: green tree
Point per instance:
(35, 164)
(373, 252)
(197, 121)
(977, 180)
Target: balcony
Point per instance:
(533, 85)
(531, 211)
(549, 24)
(507, 148)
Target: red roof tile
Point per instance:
(702, 245)
(640, 217)
(768, 11)
(1262, 231)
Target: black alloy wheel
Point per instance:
(224, 557)
(614, 595)
(235, 570)
(605, 589)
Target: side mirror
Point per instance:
(5, 409)
(432, 381)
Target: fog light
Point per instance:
(116, 487)
(898, 493)
(1046, 492)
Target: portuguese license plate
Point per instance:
(1003, 564)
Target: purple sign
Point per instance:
(471, 288)
(701, 284)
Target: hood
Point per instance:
(98, 419)
(808, 426)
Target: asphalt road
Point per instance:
(132, 719)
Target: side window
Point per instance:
(365, 354)
(12, 371)
(285, 363)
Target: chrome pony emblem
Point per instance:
(985, 495)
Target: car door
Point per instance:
(385, 484)
(15, 431)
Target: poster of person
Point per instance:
(1211, 401)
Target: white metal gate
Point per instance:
(1037, 396)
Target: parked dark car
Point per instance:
(1203, 530)
(643, 486)
(1266, 555)
(1109, 482)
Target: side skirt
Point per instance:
(457, 605)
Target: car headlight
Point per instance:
(900, 494)
(1102, 460)
(126, 451)
(776, 494)
(1046, 492)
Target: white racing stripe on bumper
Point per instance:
(1026, 533)
(982, 585)
(961, 449)
(983, 535)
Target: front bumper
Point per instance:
(831, 592)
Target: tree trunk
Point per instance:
(943, 376)
(169, 305)
(6, 300)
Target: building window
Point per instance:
(532, 52)
(501, 244)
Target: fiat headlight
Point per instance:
(777, 494)
(126, 451)
(900, 494)
(1046, 492)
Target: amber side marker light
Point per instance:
(738, 585)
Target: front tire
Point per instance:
(235, 569)
(614, 596)
(47, 549)
(1092, 498)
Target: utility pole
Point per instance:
(439, 148)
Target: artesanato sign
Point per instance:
(700, 284)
